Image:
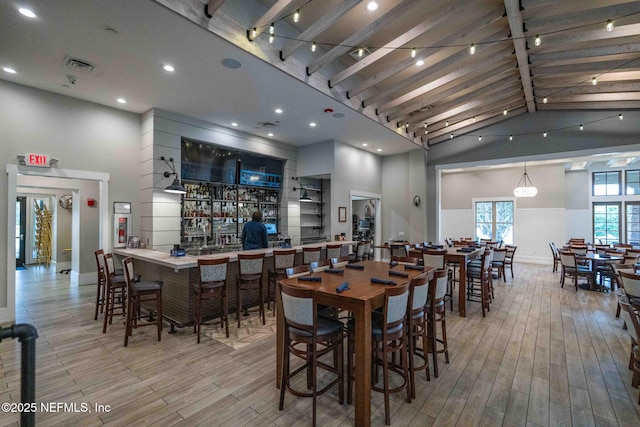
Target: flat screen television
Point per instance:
(271, 228)
(364, 224)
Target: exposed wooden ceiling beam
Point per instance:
(531, 4)
(612, 105)
(586, 67)
(362, 34)
(499, 88)
(601, 87)
(459, 55)
(574, 18)
(270, 16)
(464, 31)
(615, 49)
(452, 10)
(597, 97)
(517, 34)
(315, 29)
(567, 80)
(503, 56)
(581, 36)
(499, 99)
(490, 74)
(211, 6)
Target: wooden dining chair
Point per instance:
(389, 338)
(419, 292)
(115, 292)
(573, 270)
(309, 337)
(436, 314)
(617, 269)
(631, 319)
(102, 282)
(333, 251)
(404, 260)
(498, 262)
(556, 256)
(311, 254)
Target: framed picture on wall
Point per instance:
(342, 214)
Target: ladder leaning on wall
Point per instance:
(43, 235)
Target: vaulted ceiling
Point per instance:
(450, 91)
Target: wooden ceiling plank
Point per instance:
(489, 75)
(566, 38)
(613, 105)
(510, 93)
(517, 34)
(482, 94)
(467, 126)
(590, 52)
(531, 4)
(586, 68)
(583, 16)
(452, 10)
(319, 26)
(459, 54)
(270, 16)
(485, 21)
(362, 34)
(598, 97)
(601, 87)
(505, 55)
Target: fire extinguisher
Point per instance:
(121, 234)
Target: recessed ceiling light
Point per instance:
(372, 5)
(379, 149)
(122, 100)
(9, 70)
(234, 124)
(364, 144)
(169, 68)
(270, 134)
(278, 110)
(27, 12)
(312, 124)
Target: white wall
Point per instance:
(162, 133)
(82, 135)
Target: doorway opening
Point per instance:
(366, 209)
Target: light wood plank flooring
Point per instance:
(543, 356)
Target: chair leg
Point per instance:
(159, 313)
(444, 337)
(239, 304)
(434, 344)
(130, 312)
(350, 345)
(262, 310)
(225, 304)
(618, 310)
(385, 381)
(106, 310)
(197, 316)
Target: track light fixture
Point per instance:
(175, 187)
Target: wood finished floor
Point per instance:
(542, 356)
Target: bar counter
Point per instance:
(179, 274)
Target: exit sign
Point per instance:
(38, 160)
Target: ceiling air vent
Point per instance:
(78, 64)
(360, 53)
(267, 125)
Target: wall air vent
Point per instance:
(78, 64)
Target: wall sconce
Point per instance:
(305, 197)
(175, 187)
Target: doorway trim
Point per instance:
(8, 313)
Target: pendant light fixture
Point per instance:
(525, 187)
(175, 187)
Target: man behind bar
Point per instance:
(254, 233)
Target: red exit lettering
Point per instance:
(41, 160)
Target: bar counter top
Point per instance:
(190, 261)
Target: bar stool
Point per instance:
(481, 272)
(389, 336)
(137, 293)
(282, 259)
(212, 284)
(436, 313)
(309, 337)
(115, 296)
(310, 254)
(418, 327)
(333, 251)
(102, 282)
(250, 277)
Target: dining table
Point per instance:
(361, 298)
(596, 259)
(461, 256)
